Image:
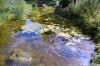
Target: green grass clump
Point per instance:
(14, 9)
(21, 9)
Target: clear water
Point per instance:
(29, 48)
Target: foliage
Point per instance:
(3, 4)
(34, 15)
(79, 7)
(47, 9)
(96, 56)
(32, 2)
(14, 9)
(5, 15)
(21, 9)
(38, 12)
(82, 14)
(98, 36)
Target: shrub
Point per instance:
(78, 7)
(21, 9)
(80, 13)
(35, 14)
(5, 14)
(3, 4)
(32, 2)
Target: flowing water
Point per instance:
(28, 47)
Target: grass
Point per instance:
(6, 29)
(45, 15)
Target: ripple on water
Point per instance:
(30, 49)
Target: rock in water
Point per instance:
(29, 49)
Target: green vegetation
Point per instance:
(83, 16)
(14, 9)
(21, 9)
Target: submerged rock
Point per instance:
(28, 48)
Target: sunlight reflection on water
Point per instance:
(28, 48)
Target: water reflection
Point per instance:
(28, 48)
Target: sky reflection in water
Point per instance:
(29, 49)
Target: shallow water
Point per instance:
(31, 49)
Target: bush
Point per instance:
(21, 9)
(32, 2)
(3, 4)
(82, 14)
(78, 7)
(18, 8)
(35, 14)
(5, 14)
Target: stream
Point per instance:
(29, 47)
